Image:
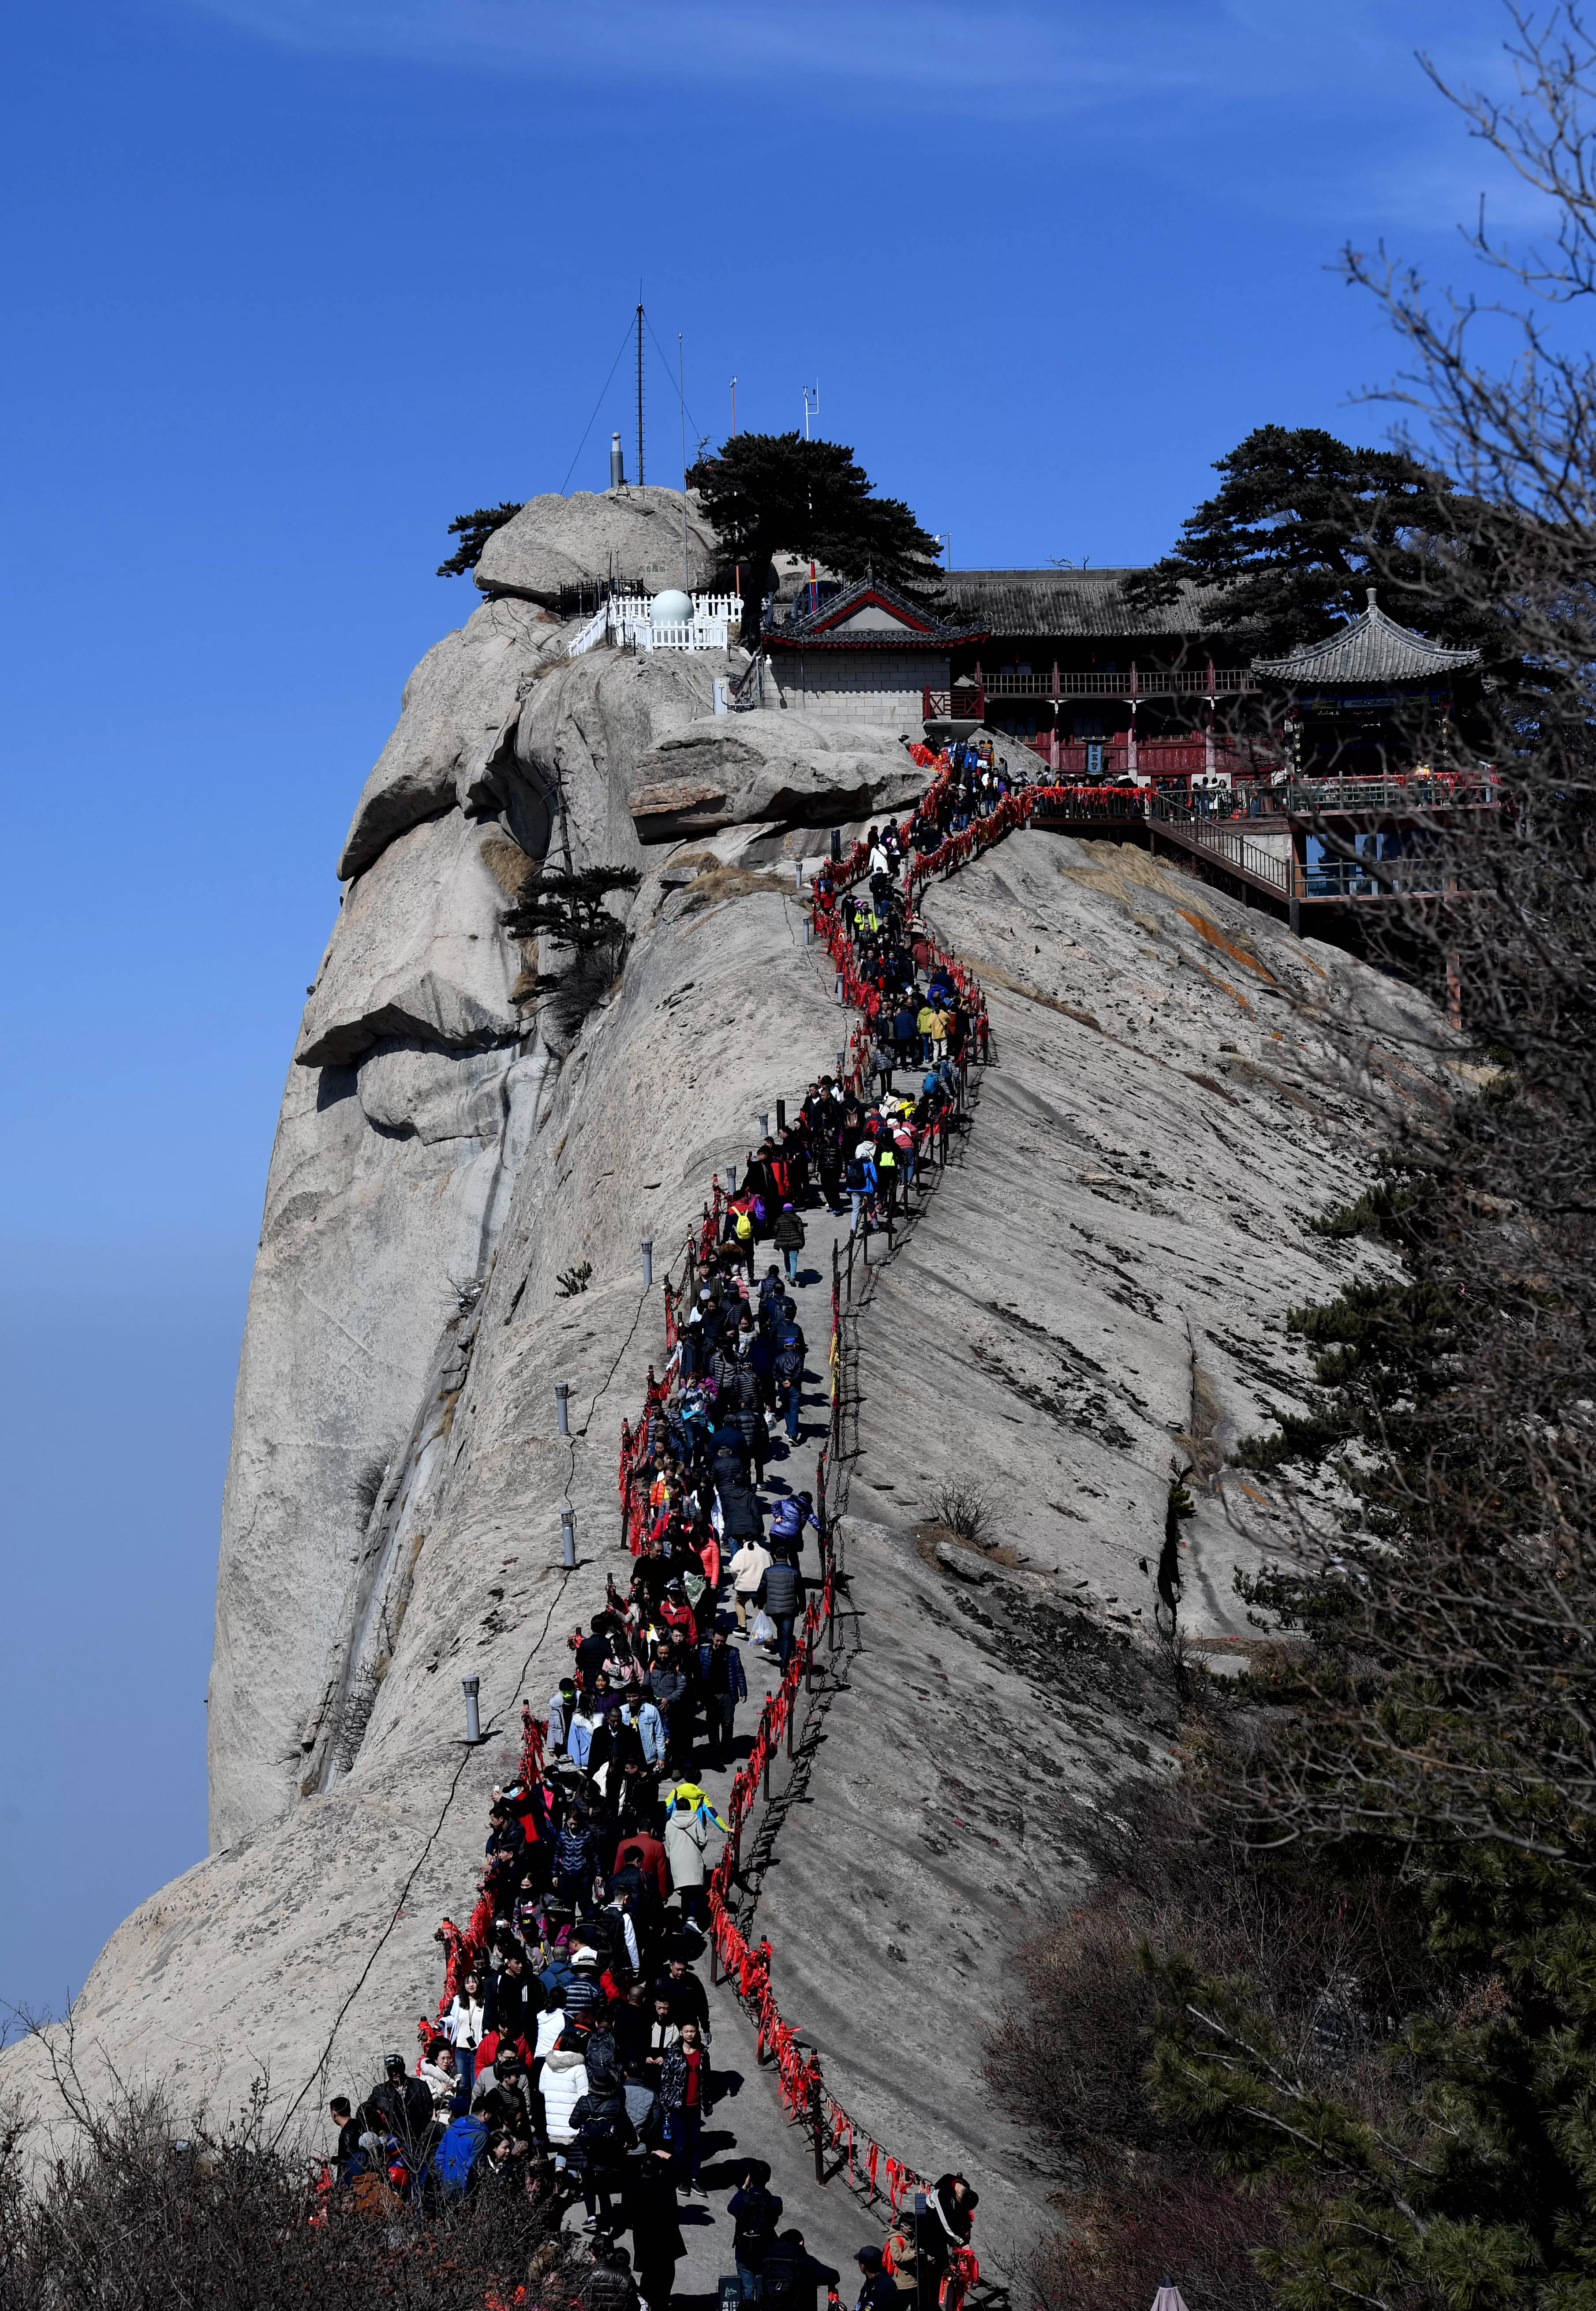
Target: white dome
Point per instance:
(671, 609)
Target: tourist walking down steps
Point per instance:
(573, 2061)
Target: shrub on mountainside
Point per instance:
(136, 2216)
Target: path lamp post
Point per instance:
(567, 1537)
(469, 1687)
(647, 1249)
(562, 1406)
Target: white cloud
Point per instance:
(1323, 115)
(1065, 58)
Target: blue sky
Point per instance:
(290, 282)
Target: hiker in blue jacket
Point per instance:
(724, 1685)
(791, 1517)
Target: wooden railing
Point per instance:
(1152, 758)
(965, 701)
(1327, 878)
(1376, 878)
(1405, 796)
(1130, 681)
(1225, 841)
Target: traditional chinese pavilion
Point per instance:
(1353, 706)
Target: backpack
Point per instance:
(790, 1361)
(455, 2160)
(744, 1228)
(854, 1175)
(606, 2135)
(783, 2263)
(757, 2217)
(608, 1935)
(603, 2063)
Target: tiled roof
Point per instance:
(827, 628)
(1371, 648)
(1064, 602)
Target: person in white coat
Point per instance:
(748, 1568)
(462, 2025)
(686, 1833)
(563, 2084)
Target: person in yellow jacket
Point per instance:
(743, 1236)
(699, 1800)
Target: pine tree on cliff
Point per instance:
(567, 905)
(473, 531)
(770, 493)
(1301, 526)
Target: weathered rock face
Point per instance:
(1095, 1292)
(417, 953)
(639, 535)
(456, 707)
(738, 769)
(416, 1084)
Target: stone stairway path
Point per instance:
(749, 2121)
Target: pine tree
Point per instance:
(1301, 526)
(567, 904)
(473, 531)
(769, 493)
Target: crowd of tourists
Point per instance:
(573, 2056)
(971, 780)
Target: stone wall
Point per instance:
(871, 686)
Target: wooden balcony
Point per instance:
(1125, 682)
(1157, 759)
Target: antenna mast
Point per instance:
(682, 406)
(640, 385)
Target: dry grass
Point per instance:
(507, 863)
(711, 885)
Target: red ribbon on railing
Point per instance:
(531, 1746)
(799, 2077)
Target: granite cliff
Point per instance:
(1098, 1285)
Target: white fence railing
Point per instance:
(592, 634)
(624, 620)
(632, 606)
(699, 634)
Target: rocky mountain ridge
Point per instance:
(1098, 1289)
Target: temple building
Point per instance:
(1056, 658)
(1104, 690)
(863, 653)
